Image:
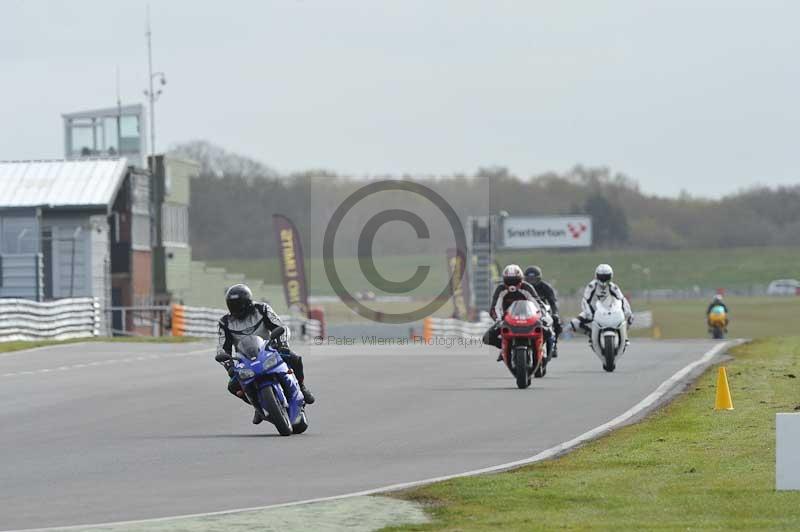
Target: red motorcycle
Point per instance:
(523, 342)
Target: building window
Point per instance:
(140, 232)
(174, 225)
(18, 235)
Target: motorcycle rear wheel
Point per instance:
(541, 370)
(278, 415)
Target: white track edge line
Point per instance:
(642, 405)
(43, 347)
(85, 342)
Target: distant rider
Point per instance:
(533, 275)
(513, 288)
(600, 288)
(245, 318)
(717, 302)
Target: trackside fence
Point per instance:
(449, 327)
(203, 322)
(62, 319)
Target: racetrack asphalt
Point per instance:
(102, 432)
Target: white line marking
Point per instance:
(107, 362)
(42, 347)
(642, 405)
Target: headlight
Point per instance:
(245, 373)
(271, 360)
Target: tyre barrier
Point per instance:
(62, 319)
(203, 322)
(451, 327)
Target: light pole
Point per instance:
(151, 93)
(645, 271)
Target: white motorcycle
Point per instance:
(609, 332)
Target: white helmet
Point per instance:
(512, 275)
(604, 273)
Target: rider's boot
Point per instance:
(258, 417)
(307, 395)
(500, 356)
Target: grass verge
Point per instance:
(751, 317)
(6, 347)
(568, 270)
(686, 467)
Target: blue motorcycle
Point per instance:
(268, 382)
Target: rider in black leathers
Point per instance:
(513, 288)
(246, 317)
(533, 275)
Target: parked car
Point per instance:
(784, 287)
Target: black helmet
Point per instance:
(512, 275)
(239, 299)
(533, 274)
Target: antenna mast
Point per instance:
(151, 93)
(119, 118)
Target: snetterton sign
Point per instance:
(547, 232)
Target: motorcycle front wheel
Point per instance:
(302, 425)
(278, 415)
(521, 367)
(608, 354)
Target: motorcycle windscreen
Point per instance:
(523, 310)
(250, 346)
(718, 309)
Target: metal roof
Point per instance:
(60, 183)
(135, 108)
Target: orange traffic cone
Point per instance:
(723, 401)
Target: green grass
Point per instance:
(751, 317)
(677, 269)
(686, 467)
(569, 270)
(19, 345)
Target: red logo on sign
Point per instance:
(577, 231)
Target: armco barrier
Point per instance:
(62, 319)
(203, 322)
(449, 327)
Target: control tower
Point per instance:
(111, 132)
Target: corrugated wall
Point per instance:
(21, 276)
(20, 260)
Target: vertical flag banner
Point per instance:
(290, 251)
(459, 286)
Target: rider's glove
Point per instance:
(229, 367)
(630, 320)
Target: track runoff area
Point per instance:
(101, 433)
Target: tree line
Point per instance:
(234, 197)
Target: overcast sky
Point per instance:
(674, 95)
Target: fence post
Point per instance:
(97, 316)
(427, 329)
(178, 320)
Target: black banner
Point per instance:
(290, 251)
